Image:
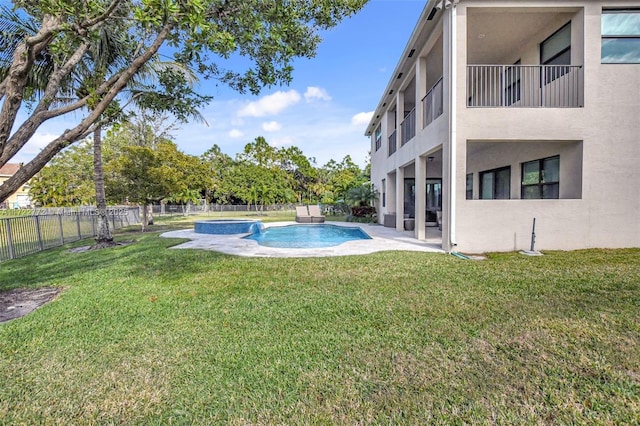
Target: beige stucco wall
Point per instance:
(605, 211)
(599, 146)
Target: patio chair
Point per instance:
(302, 214)
(316, 215)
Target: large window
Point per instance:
(378, 137)
(556, 50)
(621, 36)
(541, 178)
(495, 184)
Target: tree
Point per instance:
(362, 195)
(67, 180)
(144, 175)
(270, 33)
(216, 164)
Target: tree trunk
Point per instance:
(144, 217)
(103, 237)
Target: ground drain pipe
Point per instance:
(460, 255)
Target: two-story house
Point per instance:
(19, 199)
(500, 112)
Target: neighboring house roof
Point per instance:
(9, 169)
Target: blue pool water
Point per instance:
(307, 236)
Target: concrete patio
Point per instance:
(382, 239)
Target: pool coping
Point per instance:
(382, 239)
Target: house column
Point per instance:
(449, 154)
(421, 197)
(400, 199)
(391, 193)
(421, 91)
(399, 117)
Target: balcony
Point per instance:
(432, 103)
(525, 86)
(408, 127)
(392, 143)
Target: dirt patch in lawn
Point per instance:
(19, 302)
(83, 249)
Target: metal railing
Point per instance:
(408, 127)
(47, 228)
(392, 143)
(525, 86)
(432, 106)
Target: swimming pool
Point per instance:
(307, 236)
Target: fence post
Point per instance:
(10, 239)
(40, 244)
(61, 231)
(78, 225)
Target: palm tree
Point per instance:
(362, 195)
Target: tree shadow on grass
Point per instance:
(148, 255)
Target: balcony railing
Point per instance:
(432, 103)
(392, 143)
(525, 86)
(408, 127)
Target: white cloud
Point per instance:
(361, 118)
(270, 104)
(271, 126)
(235, 133)
(314, 93)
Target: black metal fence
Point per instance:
(205, 208)
(51, 227)
(200, 208)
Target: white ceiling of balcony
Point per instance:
(493, 34)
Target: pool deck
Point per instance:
(382, 239)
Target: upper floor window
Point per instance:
(469, 186)
(378, 137)
(621, 36)
(541, 178)
(556, 50)
(495, 184)
(512, 86)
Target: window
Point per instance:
(378, 137)
(469, 186)
(512, 86)
(555, 51)
(495, 184)
(384, 192)
(541, 179)
(621, 36)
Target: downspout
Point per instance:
(452, 120)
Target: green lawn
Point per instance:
(147, 335)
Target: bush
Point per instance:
(362, 214)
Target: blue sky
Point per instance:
(326, 108)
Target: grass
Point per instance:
(147, 335)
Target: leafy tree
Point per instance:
(363, 195)
(144, 175)
(67, 180)
(269, 33)
(216, 164)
